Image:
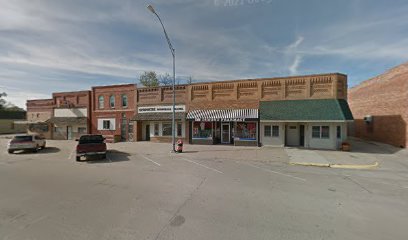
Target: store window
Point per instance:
(202, 130)
(320, 132)
(112, 101)
(267, 131)
(101, 101)
(246, 131)
(166, 129)
(275, 131)
(156, 129)
(179, 130)
(124, 101)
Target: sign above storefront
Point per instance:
(161, 109)
(220, 119)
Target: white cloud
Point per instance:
(293, 69)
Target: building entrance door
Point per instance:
(123, 129)
(225, 133)
(69, 132)
(292, 135)
(147, 132)
(302, 135)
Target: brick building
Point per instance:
(153, 119)
(39, 111)
(112, 109)
(309, 111)
(228, 112)
(380, 106)
(71, 116)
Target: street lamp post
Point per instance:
(173, 52)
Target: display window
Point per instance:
(202, 130)
(245, 130)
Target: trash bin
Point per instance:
(179, 147)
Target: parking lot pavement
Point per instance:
(142, 191)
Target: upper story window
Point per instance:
(101, 101)
(112, 101)
(124, 101)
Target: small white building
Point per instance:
(314, 123)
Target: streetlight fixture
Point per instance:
(173, 53)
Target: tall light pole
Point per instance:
(173, 52)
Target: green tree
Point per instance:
(149, 79)
(190, 80)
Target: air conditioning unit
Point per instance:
(368, 119)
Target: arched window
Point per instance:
(101, 100)
(124, 101)
(112, 101)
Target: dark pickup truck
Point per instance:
(91, 145)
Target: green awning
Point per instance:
(306, 110)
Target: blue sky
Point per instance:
(60, 45)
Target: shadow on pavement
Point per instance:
(42, 151)
(112, 156)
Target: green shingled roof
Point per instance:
(306, 110)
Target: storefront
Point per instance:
(312, 123)
(154, 123)
(230, 126)
(68, 128)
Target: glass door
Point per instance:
(225, 133)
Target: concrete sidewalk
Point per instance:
(364, 155)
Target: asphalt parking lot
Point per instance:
(142, 191)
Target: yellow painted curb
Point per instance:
(310, 164)
(351, 166)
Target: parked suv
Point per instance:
(26, 142)
(91, 145)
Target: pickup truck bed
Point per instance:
(91, 145)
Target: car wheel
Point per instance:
(43, 146)
(10, 151)
(78, 159)
(35, 149)
(103, 156)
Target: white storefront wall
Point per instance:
(160, 123)
(289, 134)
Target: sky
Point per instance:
(59, 45)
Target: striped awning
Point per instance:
(236, 115)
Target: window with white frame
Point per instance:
(275, 131)
(101, 102)
(320, 132)
(267, 131)
(106, 124)
(112, 101)
(124, 101)
(156, 129)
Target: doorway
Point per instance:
(302, 135)
(123, 129)
(292, 135)
(69, 132)
(225, 133)
(147, 132)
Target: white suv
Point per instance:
(26, 142)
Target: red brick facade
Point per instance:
(122, 129)
(385, 98)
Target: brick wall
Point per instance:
(386, 99)
(118, 112)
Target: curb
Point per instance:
(343, 166)
(310, 164)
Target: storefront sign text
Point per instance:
(161, 109)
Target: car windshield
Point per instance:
(22, 138)
(91, 139)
